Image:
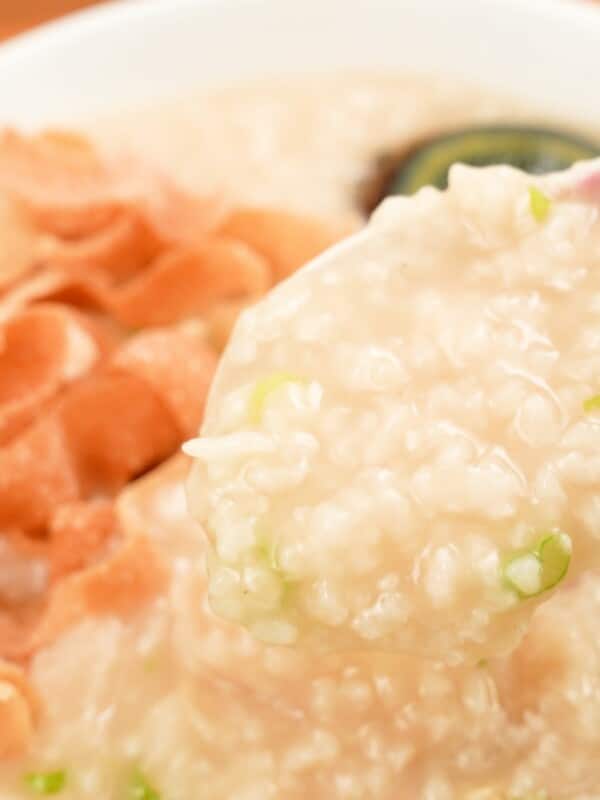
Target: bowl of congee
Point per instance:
(300, 402)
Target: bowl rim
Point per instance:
(131, 10)
(535, 33)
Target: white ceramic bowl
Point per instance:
(546, 51)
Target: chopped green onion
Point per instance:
(523, 573)
(539, 204)
(592, 404)
(266, 546)
(263, 389)
(140, 788)
(266, 552)
(46, 782)
(540, 568)
(555, 555)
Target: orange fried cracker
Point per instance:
(37, 286)
(53, 173)
(115, 253)
(23, 570)
(178, 364)
(87, 292)
(79, 421)
(19, 707)
(121, 584)
(73, 191)
(103, 429)
(96, 565)
(41, 350)
(285, 239)
(187, 282)
(19, 239)
(116, 427)
(36, 474)
(78, 534)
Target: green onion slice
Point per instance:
(46, 783)
(263, 389)
(539, 204)
(266, 551)
(141, 789)
(532, 571)
(592, 404)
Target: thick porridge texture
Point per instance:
(373, 574)
(399, 464)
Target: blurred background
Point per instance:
(19, 15)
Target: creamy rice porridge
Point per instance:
(302, 145)
(429, 385)
(399, 480)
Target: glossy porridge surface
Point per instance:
(205, 709)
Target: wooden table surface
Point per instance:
(19, 15)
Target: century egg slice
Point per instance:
(535, 150)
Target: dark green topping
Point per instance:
(427, 163)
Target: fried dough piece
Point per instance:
(19, 708)
(285, 239)
(42, 350)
